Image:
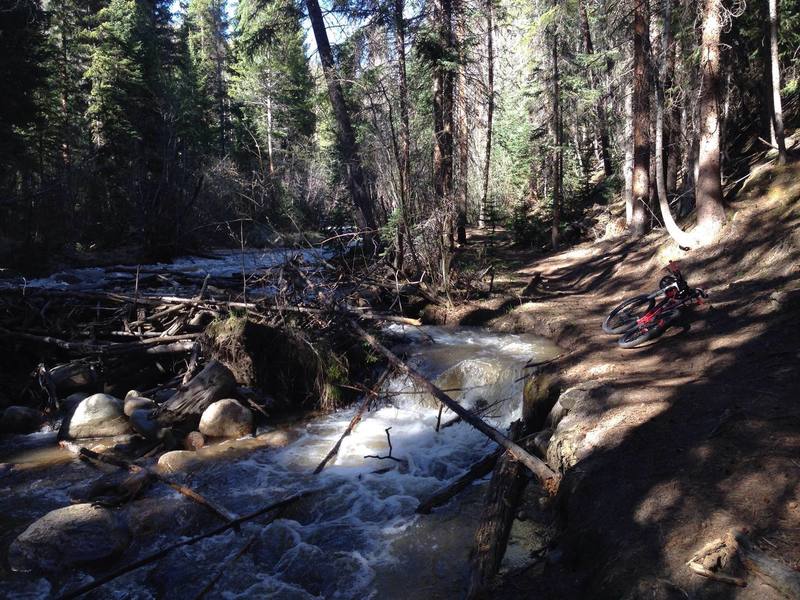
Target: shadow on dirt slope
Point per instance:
(717, 444)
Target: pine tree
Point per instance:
(207, 26)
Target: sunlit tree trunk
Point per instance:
(775, 80)
(641, 120)
(347, 146)
(683, 238)
(708, 190)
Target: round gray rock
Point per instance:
(133, 403)
(226, 418)
(144, 423)
(72, 536)
(100, 415)
(20, 419)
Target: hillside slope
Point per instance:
(690, 436)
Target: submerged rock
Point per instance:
(78, 535)
(226, 418)
(20, 419)
(177, 461)
(99, 415)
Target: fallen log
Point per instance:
(479, 469)
(491, 537)
(185, 407)
(154, 556)
(543, 473)
(182, 489)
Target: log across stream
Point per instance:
(358, 535)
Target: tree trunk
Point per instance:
(708, 190)
(640, 187)
(489, 104)
(602, 118)
(443, 105)
(405, 134)
(775, 80)
(673, 146)
(558, 175)
(462, 118)
(348, 147)
(491, 537)
(628, 167)
(681, 237)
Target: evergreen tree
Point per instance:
(207, 25)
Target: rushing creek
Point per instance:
(356, 536)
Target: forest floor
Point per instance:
(695, 433)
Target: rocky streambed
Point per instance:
(67, 522)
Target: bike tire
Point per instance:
(639, 335)
(624, 316)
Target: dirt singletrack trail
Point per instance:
(694, 433)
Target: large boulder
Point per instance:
(99, 415)
(20, 419)
(73, 536)
(226, 418)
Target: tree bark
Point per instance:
(404, 165)
(602, 117)
(462, 119)
(491, 537)
(558, 152)
(487, 158)
(681, 237)
(443, 104)
(348, 146)
(775, 80)
(640, 189)
(710, 211)
(479, 469)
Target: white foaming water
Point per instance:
(340, 542)
(358, 535)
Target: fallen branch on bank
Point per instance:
(154, 556)
(722, 552)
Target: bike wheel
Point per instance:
(639, 335)
(624, 317)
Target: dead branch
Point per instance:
(443, 495)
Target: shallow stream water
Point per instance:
(357, 536)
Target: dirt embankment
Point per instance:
(688, 437)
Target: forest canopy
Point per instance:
(168, 126)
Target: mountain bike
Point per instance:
(645, 317)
